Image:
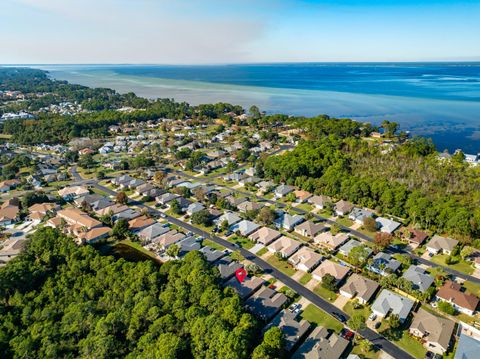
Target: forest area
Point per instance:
(59, 300)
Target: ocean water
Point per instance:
(439, 100)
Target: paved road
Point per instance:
(378, 340)
(356, 233)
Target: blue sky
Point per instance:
(231, 31)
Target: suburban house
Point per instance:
(8, 185)
(389, 302)
(302, 196)
(246, 288)
(309, 229)
(38, 211)
(414, 236)
(79, 224)
(265, 235)
(265, 186)
(322, 343)
(188, 244)
(330, 241)
(384, 264)
(343, 207)
(70, 193)
(93, 202)
(9, 212)
(182, 203)
(435, 332)
(212, 254)
(227, 267)
(338, 271)
(166, 197)
(461, 301)
(320, 202)
(122, 179)
(150, 233)
(245, 227)
(111, 210)
(467, 347)
(140, 223)
(230, 217)
(167, 239)
(360, 288)
(248, 206)
(195, 207)
(305, 259)
(288, 221)
(440, 244)
(293, 330)
(387, 225)
(285, 246)
(283, 190)
(352, 243)
(358, 215)
(128, 214)
(419, 278)
(265, 303)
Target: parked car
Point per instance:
(339, 317)
(347, 334)
(377, 325)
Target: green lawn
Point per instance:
(284, 266)
(344, 222)
(208, 242)
(305, 206)
(461, 266)
(405, 341)
(262, 251)
(325, 293)
(366, 232)
(364, 310)
(317, 316)
(472, 287)
(306, 278)
(372, 354)
(138, 247)
(242, 241)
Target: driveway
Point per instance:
(340, 301)
(256, 248)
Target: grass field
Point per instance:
(325, 293)
(306, 278)
(262, 251)
(242, 241)
(364, 310)
(284, 266)
(401, 338)
(305, 206)
(344, 221)
(461, 266)
(207, 242)
(319, 317)
(472, 288)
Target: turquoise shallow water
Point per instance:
(438, 100)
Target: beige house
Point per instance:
(284, 245)
(72, 192)
(322, 344)
(435, 332)
(265, 235)
(360, 288)
(305, 259)
(441, 244)
(330, 241)
(338, 271)
(309, 229)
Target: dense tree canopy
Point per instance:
(60, 300)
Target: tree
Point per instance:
(87, 161)
(272, 345)
(120, 229)
(121, 198)
(175, 207)
(365, 345)
(202, 217)
(370, 224)
(358, 255)
(173, 250)
(383, 240)
(266, 216)
(394, 321)
(335, 229)
(357, 322)
(446, 307)
(329, 282)
(159, 176)
(466, 252)
(100, 175)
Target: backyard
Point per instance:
(319, 317)
(282, 265)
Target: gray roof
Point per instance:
(265, 303)
(359, 214)
(245, 288)
(420, 279)
(391, 303)
(387, 225)
(384, 263)
(292, 329)
(467, 348)
(245, 227)
(227, 267)
(322, 343)
(153, 231)
(284, 189)
(230, 217)
(352, 243)
(189, 244)
(212, 255)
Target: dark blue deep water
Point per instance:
(439, 100)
